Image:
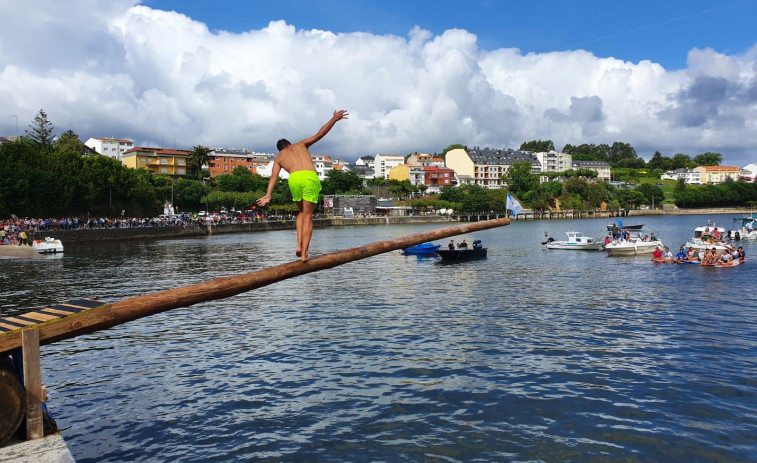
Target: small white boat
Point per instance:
(634, 245)
(708, 237)
(576, 240)
(744, 228)
(48, 246)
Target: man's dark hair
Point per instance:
(281, 144)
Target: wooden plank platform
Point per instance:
(53, 321)
(25, 320)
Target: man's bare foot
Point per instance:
(305, 258)
(298, 252)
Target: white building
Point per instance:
(749, 173)
(552, 161)
(690, 176)
(600, 167)
(111, 147)
(383, 163)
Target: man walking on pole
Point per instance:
(303, 181)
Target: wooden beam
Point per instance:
(32, 383)
(133, 308)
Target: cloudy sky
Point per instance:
(414, 75)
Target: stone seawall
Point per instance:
(111, 234)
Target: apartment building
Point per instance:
(600, 167)
(111, 147)
(168, 161)
(713, 175)
(485, 167)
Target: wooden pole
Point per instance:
(133, 308)
(32, 383)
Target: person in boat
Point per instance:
(657, 253)
(749, 227)
(709, 257)
(303, 181)
(462, 245)
(725, 257)
(681, 256)
(692, 255)
(646, 238)
(667, 254)
(706, 235)
(653, 238)
(451, 245)
(742, 255)
(477, 244)
(608, 238)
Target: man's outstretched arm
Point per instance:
(338, 115)
(271, 183)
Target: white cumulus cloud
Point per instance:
(122, 69)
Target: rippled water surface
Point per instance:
(529, 355)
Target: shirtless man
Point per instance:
(303, 181)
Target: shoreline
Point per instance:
(195, 229)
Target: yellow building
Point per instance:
(158, 160)
(713, 175)
(400, 173)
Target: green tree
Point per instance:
(658, 161)
(588, 152)
(41, 130)
(620, 151)
(537, 146)
(652, 193)
(198, 157)
(519, 178)
(68, 142)
(342, 182)
(681, 161)
(708, 159)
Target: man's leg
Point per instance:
(307, 211)
(299, 222)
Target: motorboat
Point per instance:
(423, 249)
(744, 228)
(630, 228)
(576, 240)
(48, 246)
(459, 254)
(706, 237)
(632, 246)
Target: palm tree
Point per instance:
(198, 157)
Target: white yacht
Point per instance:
(48, 246)
(576, 240)
(708, 237)
(634, 245)
(744, 228)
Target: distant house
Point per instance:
(487, 166)
(600, 167)
(224, 161)
(690, 176)
(714, 175)
(749, 173)
(383, 163)
(111, 147)
(167, 161)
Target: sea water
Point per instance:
(528, 355)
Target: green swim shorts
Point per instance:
(304, 184)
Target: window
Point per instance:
(164, 161)
(164, 170)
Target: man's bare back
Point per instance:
(295, 157)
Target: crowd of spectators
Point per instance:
(17, 230)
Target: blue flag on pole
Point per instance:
(513, 205)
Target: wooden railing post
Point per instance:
(32, 383)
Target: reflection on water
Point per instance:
(529, 354)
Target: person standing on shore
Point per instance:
(303, 181)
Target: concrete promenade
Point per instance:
(171, 231)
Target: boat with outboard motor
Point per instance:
(744, 228)
(464, 253)
(576, 240)
(630, 228)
